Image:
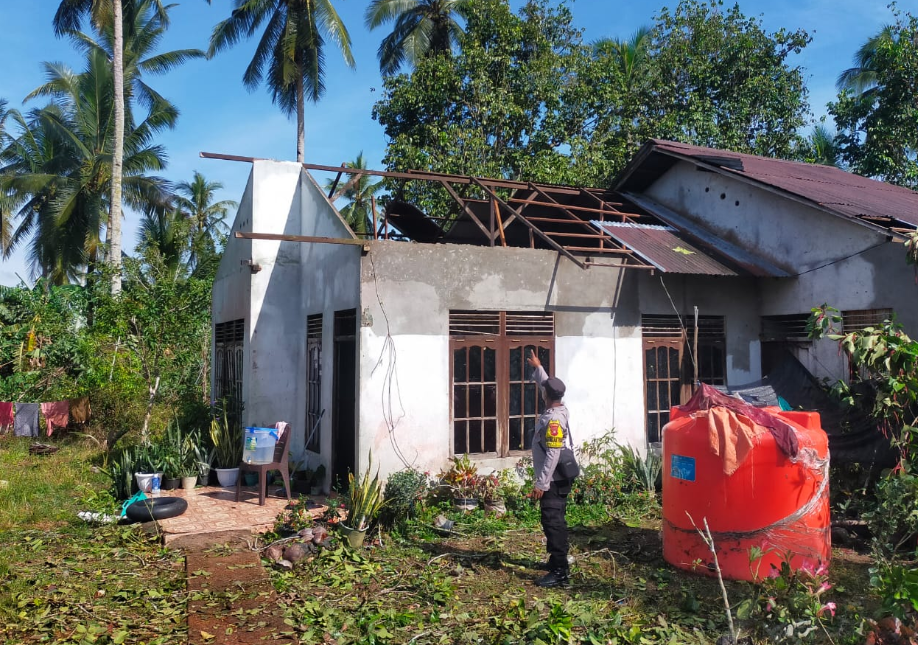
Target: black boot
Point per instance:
(554, 578)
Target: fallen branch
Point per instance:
(709, 541)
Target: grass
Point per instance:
(45, 491)
(62, 581)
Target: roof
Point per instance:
(840, 192)
(665, 248)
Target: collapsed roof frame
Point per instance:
(582, 246)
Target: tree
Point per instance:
(877, 134)
(863, 76)
(359, 190)
(422, 28)
(629, 56)
(496, 109)
(821, 146)
(164, 232)
(57, 170)
(206, 218)
(290, 56)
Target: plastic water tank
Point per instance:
(772, 502)
(259, 445)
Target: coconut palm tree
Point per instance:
(823, 146)
(206, 218)
(165, 232)
(629, 55)
(56, 172)
(863, 76)
(359, 190)
(422, 28)
(290, 56)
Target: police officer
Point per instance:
(550, 487)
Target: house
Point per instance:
(699, 264)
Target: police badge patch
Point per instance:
(554, 434)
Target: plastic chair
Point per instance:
(281, 455)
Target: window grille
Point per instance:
(853, 321)
(229, 342)
(785, 328)
(313, 379)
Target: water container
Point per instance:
(259, 445)
(771, 502)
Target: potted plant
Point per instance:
(188, 460)
(491, 495)
(363, 503)
(227, 439)
(148, 465)
(462, 479)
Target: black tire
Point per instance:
(159, 508)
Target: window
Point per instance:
(853, 321)
(784, 336)
(668, 367)
(229, 338)
(313, 379)
(494, 405)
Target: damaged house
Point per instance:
(699, 265)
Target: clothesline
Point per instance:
(24, 417)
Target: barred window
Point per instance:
(494, 405)
(313, 380)
(229, 340)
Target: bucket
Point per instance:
(259, 445)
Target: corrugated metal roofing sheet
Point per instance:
(832, 188)
(664, 248)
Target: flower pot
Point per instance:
(145, 480)
(465, 503)
(496, 508)
(354, 537)
(227, 476)
(171, 483)
(250, 478)
(188, 483)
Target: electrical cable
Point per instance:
(390, 379)
(847, 257)
(681, 324)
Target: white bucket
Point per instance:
(145, 481)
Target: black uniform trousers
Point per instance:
(553, 506)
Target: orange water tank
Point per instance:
(773, 502)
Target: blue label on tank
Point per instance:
(683, 468)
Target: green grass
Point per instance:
(63, 581)
(46, 491)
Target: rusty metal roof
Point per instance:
(833, 189)
(665, 248)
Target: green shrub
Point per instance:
(894, 521)
(641, 473)
(404, 492)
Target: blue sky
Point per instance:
(219, 115)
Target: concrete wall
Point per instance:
(231, 297)
(295, 280)
(407, 291)
(835, 261)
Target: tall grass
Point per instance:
(45, 491)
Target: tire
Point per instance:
(158, 508)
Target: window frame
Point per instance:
(313, 380)
(488, 330)
(229, 338)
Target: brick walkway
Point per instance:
(213, 509)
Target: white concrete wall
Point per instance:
(230, 299)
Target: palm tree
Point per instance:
(165, 232)
(823, 146)
(861, 78)
(629, 56)
(359, 190)
(206, 218)
(57, 171)
(291, 50)
(422, 28)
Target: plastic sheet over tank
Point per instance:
(773, 502)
